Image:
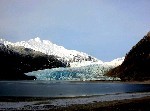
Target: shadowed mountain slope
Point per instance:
(136, 65)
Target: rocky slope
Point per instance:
(15, 61)
(136, 65)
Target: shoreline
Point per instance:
(94, 81)
(76, 103)
(116, 81)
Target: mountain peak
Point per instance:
(37, 39)
(2, 40)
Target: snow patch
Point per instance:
(115, 62)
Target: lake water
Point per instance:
(66, 88)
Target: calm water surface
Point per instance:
(66, 89)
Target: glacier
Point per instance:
(83, 73)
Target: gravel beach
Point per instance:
(77, 103)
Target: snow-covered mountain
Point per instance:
(72, 57)
(49, 48)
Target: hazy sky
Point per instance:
(106, 29)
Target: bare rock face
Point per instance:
(136, 65)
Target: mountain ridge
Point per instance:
(49, 48)
(71, 57)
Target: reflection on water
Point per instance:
(66, 88)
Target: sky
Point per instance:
(105, 29)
